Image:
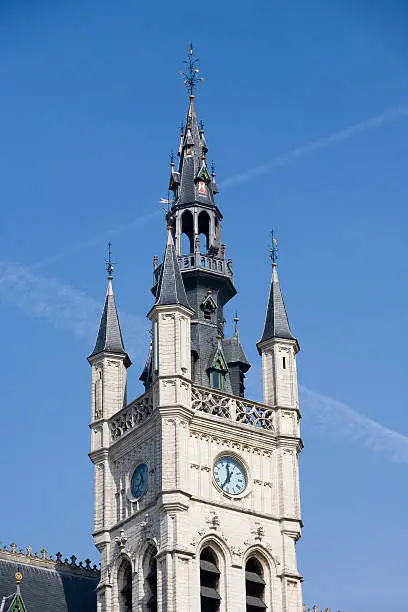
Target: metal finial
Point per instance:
(109, 263)
(273, 249)
(201, 126)
(171, 158)
(18, 577)
(166, 203)
(182, 128)
(236, 320)
(213, 168)
(191, 78)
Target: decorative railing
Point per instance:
(132, 415)
(198, 260)
(231, 408)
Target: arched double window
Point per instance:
(150, 579)
(125, 586)
(254, 586)
(209, 581)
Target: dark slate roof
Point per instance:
(189, 165)
(146, 375)
(170, 289)
(46, 589)
(110, 335)
(276, 321)
(234, 353)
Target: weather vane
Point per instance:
(273, 249)
(191, 78)
(109, 262)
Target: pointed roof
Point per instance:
(193, 165)
(17, 605)
(276, 320)
(170, 289)
(233, 350)
(110, 338)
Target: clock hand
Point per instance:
(228, 478)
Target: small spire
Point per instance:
(170, 288)
(276, 320)
(191, 78)
(109, 337)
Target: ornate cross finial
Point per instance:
(273, 249)
(191, 78)
(109, 262)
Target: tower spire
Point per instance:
(109, 339)
(170, 289)
(276, 320)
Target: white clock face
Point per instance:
(230, 475)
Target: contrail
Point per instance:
(63, 306)
(318, 145)
(341, 421)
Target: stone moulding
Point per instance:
(229, 407)
(132, 415)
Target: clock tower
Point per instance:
(196, 486)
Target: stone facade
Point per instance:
(179, 430)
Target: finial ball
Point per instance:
(19, 577)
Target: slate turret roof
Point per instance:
(170, 289)
(192, 165)
(110, 338)
(276, 320)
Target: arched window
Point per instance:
(217, 371)
(204, 228)
(150, 578)
(209, 581)
(187, 233)
(125, 586)
(254, 586)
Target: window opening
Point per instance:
(125, 586)
(151, 581)
(254, 586)
(284, 362)
(209, 581)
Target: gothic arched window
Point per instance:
(217, 371)
(209, 581)
(150, 578)
(125, 586)
(254, 586)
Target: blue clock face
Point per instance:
(138, 484)
(230, 475)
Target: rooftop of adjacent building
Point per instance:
(45, 583)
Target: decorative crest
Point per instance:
(109, 263)
(191, 78)
(273, 249)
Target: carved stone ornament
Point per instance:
(121, 540)
(214, 520)
(258, 531)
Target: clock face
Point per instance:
(230, 475)
(138, 484)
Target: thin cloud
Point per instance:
(317, 145)
(341, 421)
(61, 305)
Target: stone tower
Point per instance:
(196, 487)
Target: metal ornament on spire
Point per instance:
(273, 249)
(191, 78)
(109, 263)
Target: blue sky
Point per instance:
(306, 112)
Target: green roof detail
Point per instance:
(17, 605)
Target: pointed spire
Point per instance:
(170, 289)
(192, 182)
(110, 338)
(276, 320)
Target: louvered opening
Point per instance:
(209, 580)
(254, 586)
